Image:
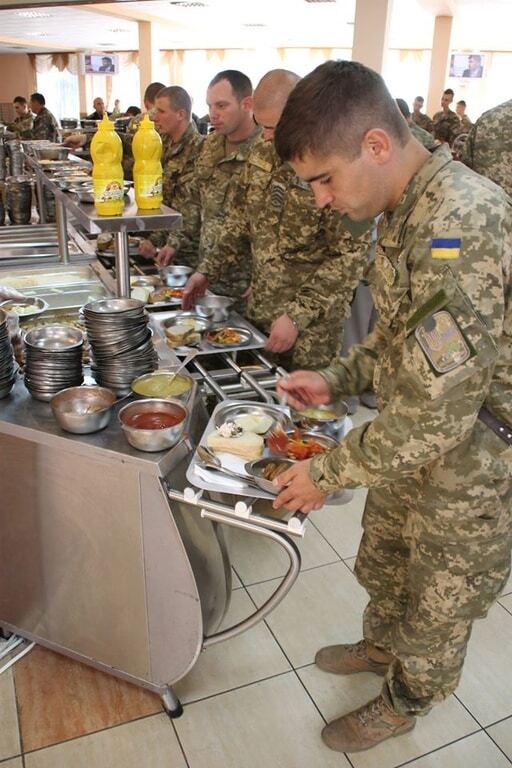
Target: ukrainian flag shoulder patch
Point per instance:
(445, 247)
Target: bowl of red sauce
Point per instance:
(153, 424)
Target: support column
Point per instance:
(371, 26)
(82, 95)
(439, 62)
(148, 55)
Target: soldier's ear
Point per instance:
(247, 103)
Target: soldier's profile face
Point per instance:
(167, 119)
(417, 104)
(226, 111)
(20, 109)
(446, 100)
(99, 105)
(267, 118)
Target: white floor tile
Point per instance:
(9, 734)
(502, 735)
(236, 581)
(14, 763)
(350, 562)
(252, 656)
(273, 724)
(476, 751)
(486, 683)
(341, 525)
(508, 586)
(258, 559)
(506, 602)
(323, 607)
(150, 742)
(336, 695)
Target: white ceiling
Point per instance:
(478, 24)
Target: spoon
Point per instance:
(212, 461)
(187, 359)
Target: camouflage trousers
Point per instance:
(434, 556)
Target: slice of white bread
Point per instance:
(253, 423)
(248, 445)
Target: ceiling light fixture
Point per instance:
(118, 30)
(33, 14)
(255, 25)
(187, 4)
(320, 1)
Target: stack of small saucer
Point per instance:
(53, 360)
(7, 377)
(121, 343)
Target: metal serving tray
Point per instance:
(257, 341)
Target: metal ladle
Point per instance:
(210, 460)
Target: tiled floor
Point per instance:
(258, 700)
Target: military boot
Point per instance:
(355, 657)
(366, 727)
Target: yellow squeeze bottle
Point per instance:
(107, 171)
(147, 169)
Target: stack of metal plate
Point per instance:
(121, 342)
(6, 358)
(53, 360)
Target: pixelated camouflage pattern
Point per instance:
(488, 148)
(304, 261)
(465, 124)
(178, 161)
(424, 137)
(440, 500)
(45, 126)
(22, 126)
(423, 121)
(219, 177)
(446, 126)
(127, 140)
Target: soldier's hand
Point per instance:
(283, 335)
(10, 294)
(298, 491)
(247, 292)
(147, 249)
(304, 388)
(165, 255)
(196, 287)
(75, 141)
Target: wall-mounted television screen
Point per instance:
(99, 64)
(467, 65)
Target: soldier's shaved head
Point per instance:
(270, 98)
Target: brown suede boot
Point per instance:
(366, 727)
(355, 657)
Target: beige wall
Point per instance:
(16, 76)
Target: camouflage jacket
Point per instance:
(442, 345)
(446, 126)
(424, 137)
(488, 148)
(423, 121)
(22, 126)
(179, 161)
(127, 140)
(45, 126)
(219, 186)
(304, 261)
(465, 124)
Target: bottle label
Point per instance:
(107, 191)
(148, 185)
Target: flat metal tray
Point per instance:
(257, 341)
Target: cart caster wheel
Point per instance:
(172, 704)
(174, 713)
(4, 633)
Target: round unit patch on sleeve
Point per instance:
(442, 341)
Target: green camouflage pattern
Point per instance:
(304, 261)
(438, 527)
(179, 161)
(424, 137)
(465, 124)
(219, 187)
(446, 126)
(127, 140)
(488, 148)
(45, 126)
(423, 121)
(22, 126)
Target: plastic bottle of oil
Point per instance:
(107, 171)
(147, 169)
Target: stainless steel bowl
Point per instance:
(51, 153)
(54, 338)
(83, 410)
(215, 308)
(153, 439)
(256, 468)
(146, 281)
(159, 385)
(326, 441)
(319, 417)
(175, 275)
(24, 308)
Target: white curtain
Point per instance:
(57, 80)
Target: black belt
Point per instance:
(498, 427)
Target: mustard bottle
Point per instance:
(147, 169)
(107, 171)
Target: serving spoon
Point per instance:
(210, 460)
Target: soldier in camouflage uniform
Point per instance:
(23, 124)
(419, 118)
(465, 122)
(446, 122)
(131, 129)
(173, 111)
(45, 124)
(424, 137)
(219, 186)
(305, 264)
(435, 551)
(488, 149)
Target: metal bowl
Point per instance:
(325, 440)
(198, 326)
(175, 275)
(29, 307)
(146, 281)
(318, 417)
(82, 410)
(153, 439)
(159, 385)
(52, 153)
(256, 468)
(54, 338)
(215, 308)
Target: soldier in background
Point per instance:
(127, 138)
(424, 137)
(173, 112)
(219, 184)
(45, 124)
(488, 149)
(419, 118)
(446, 122)
(99, 109)
(465, 122)
(437, 459)
(24, 122)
